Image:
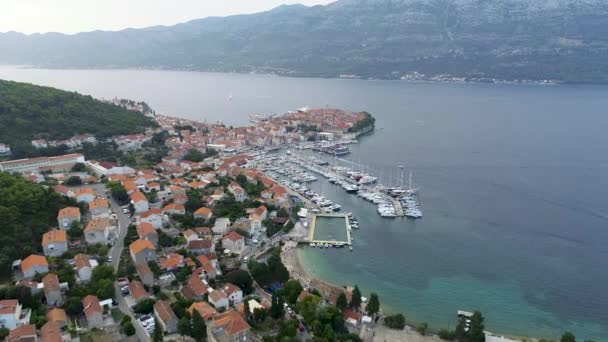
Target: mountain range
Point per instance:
(562, 40)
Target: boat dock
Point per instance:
(398, 208)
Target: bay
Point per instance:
(513, 178)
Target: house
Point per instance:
(139, 202)
(66, 216)
(34, 264)
(233, 292)
(97, 231)
(84, 269)
(12, 315)
(153, 186)
(243, 224)
(234, 242)
(137, 290)
(63, 190)
(237, 191)
(204, 232)
(198, 247)
(54, 243)
(51, 332)
(221, 226)
(84, 194)
(180, 199)
(351, 317)
(190, 235)
(165, 316)
(146, 231)
(208, 267)
(257, 216)
(142, 251)
(172, 262)
(203, 213)
(154, 216)
(230, 326)
(52, 290)
(24, 333)
(99, 207)
(145, 274)
(218, 299)
(218, 194)
(204, 309)
(195, 288)
(174, 209)
(58, 316)
(92, 311)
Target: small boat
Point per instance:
(351, 248)
(312, 244)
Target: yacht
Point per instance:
(342, 150)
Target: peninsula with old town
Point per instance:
(188, 230)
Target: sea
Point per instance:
(513, 184)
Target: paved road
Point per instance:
(123, 223)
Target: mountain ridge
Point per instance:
(564, 40)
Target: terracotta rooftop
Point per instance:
(99, 203)
(22, 334)
(164, 311)
(8, 306)
(138, 197)
(56, 315)
(204, 309)
(139, 245)
(53, 236)
(81, 260)
(232, 322)
(97, 224)
(137, 290)
(68, 212)
(90, 305)
(51, 332)
(144, 228)
(33, 260)
(234, 236)
(51, 282)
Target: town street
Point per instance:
(124, 221)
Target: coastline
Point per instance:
(377, 332)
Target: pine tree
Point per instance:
(341, 302)
(157, 336)
(476, 328)
(276, 309)
(355, 301)
(199, 329)
(184, 327)
(373, 307)
(568, 337)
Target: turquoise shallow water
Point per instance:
(513, 188)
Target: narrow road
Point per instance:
(124, 221)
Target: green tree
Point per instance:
(79, 167)
(73, 306)
(73, 181)
(396, 321)
(157, 335)
(242, 180)
(199, 329)
(568, 337)
(476, 328)
(276, 308)
(342, 302)
(104, 288)
(292, 290)
(145, 306)
(373, 306)
(75, 231)
(128, 329)
(460, 333)
(422, 328)
(259, 315)
(308, 308)
(241, 279)
(355, 301)
(448, 335)
(183, 326)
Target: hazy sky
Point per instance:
(71, 16)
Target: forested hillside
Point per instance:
(29, 111)
(564, 40)
(27, 211)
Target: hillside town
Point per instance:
(200, 245)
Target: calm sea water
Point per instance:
(514, 185)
